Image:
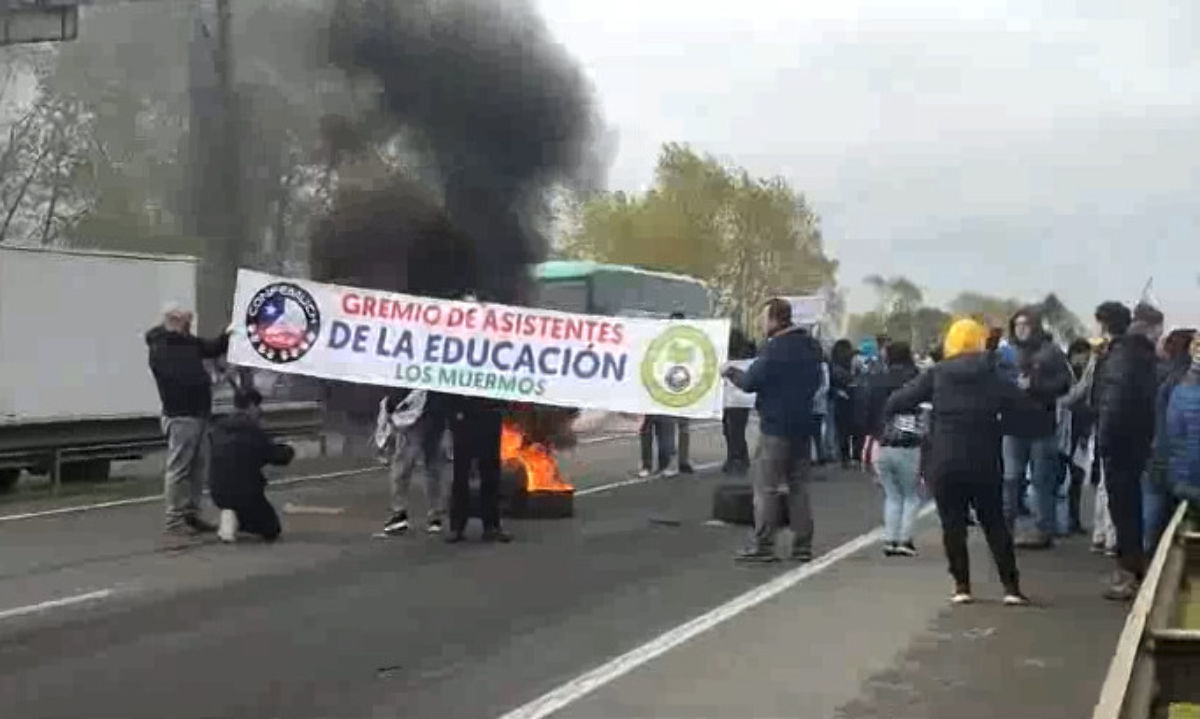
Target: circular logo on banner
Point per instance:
(282, 322)
(680, 367)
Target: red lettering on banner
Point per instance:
(351, 303)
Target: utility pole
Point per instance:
(214, 181)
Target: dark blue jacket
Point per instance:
(784, 379)
(1183, 438)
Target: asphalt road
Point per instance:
(332, 623)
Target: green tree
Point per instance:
(1060, 320)
(994, 311)
(749, 237)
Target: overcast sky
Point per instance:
(1011, 147)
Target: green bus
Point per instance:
(618, 290)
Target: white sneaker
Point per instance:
(961, 598)
(228, 527)
(644, 473)
(671, 471)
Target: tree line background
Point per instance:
(93, 138)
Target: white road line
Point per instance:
(590, 681)
(55, 604)
(636, 480)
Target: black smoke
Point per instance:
(497, 112)
(496, 104)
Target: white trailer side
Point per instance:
(71, 331)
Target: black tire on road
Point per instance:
(733, 503)
(8, 479)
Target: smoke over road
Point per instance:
(495, 103)
(497, 111)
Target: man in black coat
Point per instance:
(475, 424)
(735, 419)
(1123, 394)
(176, 358)
(240, 449)
(1030, 438)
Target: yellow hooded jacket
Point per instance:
(966, 336)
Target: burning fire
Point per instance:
(541, 470)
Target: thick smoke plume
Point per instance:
(498, 106)
(499, 112)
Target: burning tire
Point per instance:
(733, 503)
(517, 502)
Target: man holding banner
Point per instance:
(784, 379)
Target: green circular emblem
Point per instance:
(680, 367)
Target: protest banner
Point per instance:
(642, 366)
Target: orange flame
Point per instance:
(541, 470)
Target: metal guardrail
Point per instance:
(48, 447)
(1137, 676)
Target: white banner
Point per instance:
(735, 397)
(643, 366)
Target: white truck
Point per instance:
(73, 371)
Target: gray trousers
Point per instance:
(187, 467)
(412, 446)
(778, 464)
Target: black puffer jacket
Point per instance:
(1124, 393)
(968, 398)
(1049, 375)
(879, 387)
(240, 449)
(177, 362)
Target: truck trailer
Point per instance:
(75, 389)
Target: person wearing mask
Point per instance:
(841, 397)
(735, 419)
(240, 449)
(784, 379)
(1030, 439)
(1078, 421)
(1182, 435)
(1175, 361)
(895, 444)
(1124, 393)
(176, 358)
(409, 430)
(964, 465)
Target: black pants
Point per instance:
(955, 495)
(1074, 493)
(737, 452)
(660, 428)
(254, 513)
(1123, 482)
(476, 443)
(843, 419)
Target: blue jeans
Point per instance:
(898, 472)
(1156, 509)
(1042, 458)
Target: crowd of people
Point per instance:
(1001, 423)
(994, 418)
